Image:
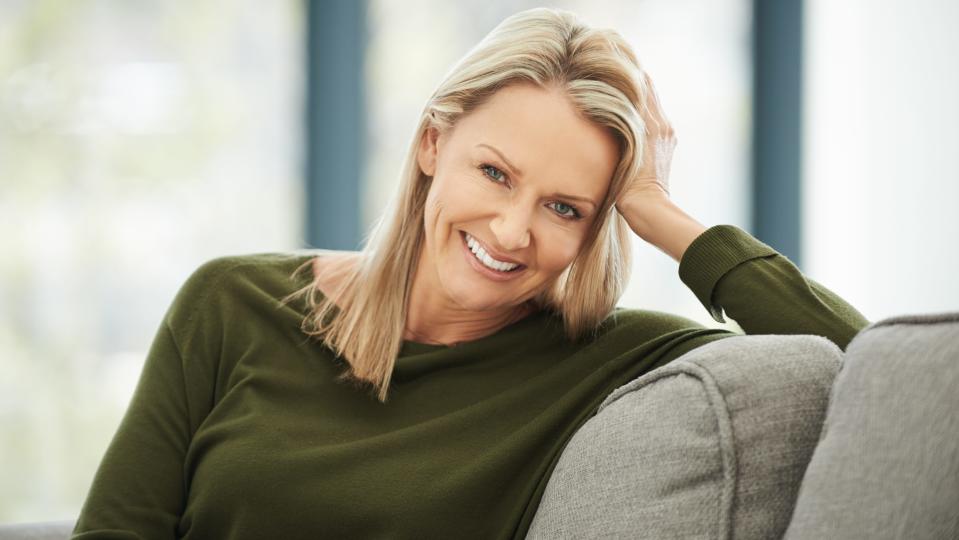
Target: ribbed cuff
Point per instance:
(716, 251)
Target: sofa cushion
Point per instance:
(888, 462)
(41, 530)
(711, 445)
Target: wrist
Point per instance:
(642, 213)
(663, 224)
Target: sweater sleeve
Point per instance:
(763, 291)
(139, 489)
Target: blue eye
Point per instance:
(566, 211)
(486, 168)
(563, 210)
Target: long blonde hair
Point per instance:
(546, 47)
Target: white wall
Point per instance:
(881, 181)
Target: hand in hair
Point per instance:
(652, 181)
(645, 203)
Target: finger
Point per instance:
(651, 125)
(653, 102)
(662, 126)
(649, 112)
(654, 123)
(652, 95)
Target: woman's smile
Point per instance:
(482, 268)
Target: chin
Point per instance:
(469, 296)
(474, 300)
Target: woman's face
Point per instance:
(521, 179)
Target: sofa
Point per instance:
(762, 437)
(774, 436)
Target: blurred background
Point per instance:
(141, 139)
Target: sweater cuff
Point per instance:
(711, 255)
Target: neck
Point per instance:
(433, 318)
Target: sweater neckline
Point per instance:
(411, 347)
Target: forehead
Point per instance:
(541, 132)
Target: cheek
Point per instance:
(558, 249)
(453, 198)
(430, 212)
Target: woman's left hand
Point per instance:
(651, 185)
(645, 203)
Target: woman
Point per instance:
(477, 328)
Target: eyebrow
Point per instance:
(520, 173)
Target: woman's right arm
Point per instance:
(139, 489)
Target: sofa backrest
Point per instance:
(888, 462)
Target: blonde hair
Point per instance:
(546, 47)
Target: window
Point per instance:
(879, 177)
(137, 140)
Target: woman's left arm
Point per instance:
(726, 267)
(729, 269)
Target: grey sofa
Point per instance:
(774, 436)
(763, 437)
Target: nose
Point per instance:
(511, 227)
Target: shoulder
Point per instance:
(217, 278)
(325, 266)
(646, 322)
(214, 272)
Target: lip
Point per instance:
(493, 254)
(482, 269)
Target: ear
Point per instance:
(426, 155)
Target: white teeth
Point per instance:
(484, 257)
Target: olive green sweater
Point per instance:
(237, 429)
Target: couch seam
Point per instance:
(717, 403)
(923, 319)
(724, 424)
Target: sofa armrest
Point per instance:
(711, 445)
